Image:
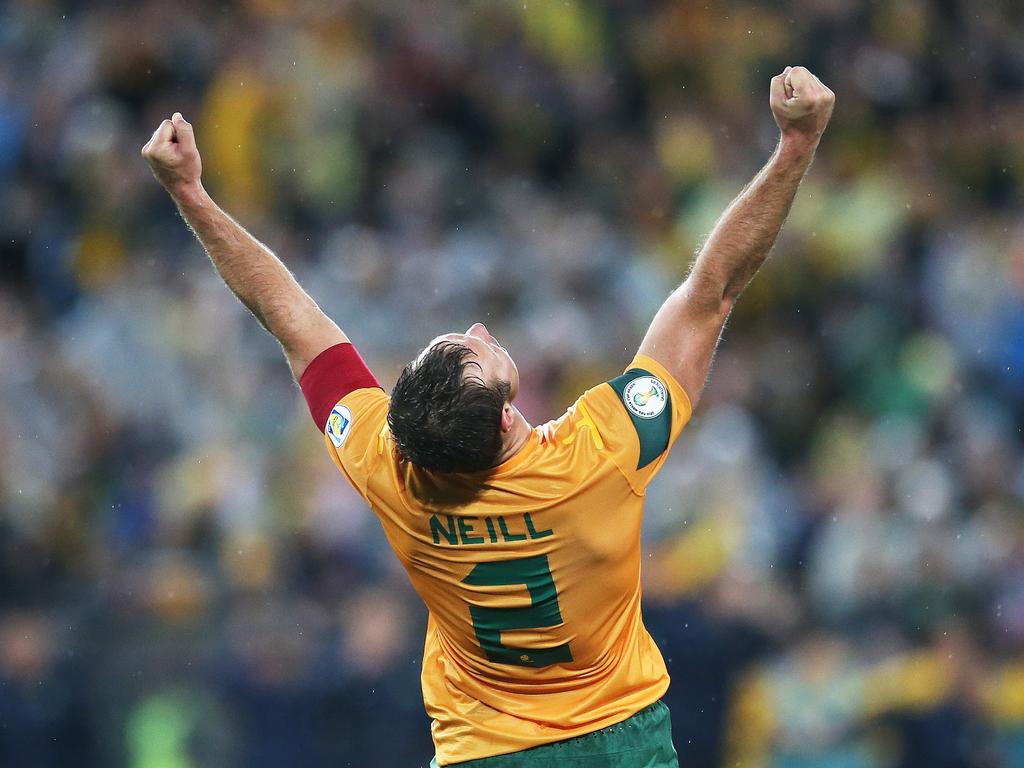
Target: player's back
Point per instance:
(530, 571)
(551, 541)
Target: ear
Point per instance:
(507, 417)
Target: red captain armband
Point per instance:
(333, 373)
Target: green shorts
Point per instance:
(641, 741)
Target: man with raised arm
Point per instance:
(524, 542)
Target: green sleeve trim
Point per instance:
(654, 432)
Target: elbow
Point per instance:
(729, 297)
(709, 297)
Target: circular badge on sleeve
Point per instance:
(645, 396)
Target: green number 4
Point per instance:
(542, 612)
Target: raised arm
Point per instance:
(250, 269)
(685, 331)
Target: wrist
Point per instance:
(797, 146)
(795, 152)
(186, 193)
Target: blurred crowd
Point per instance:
(835, 550)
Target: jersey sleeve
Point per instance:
(349, 407)
(639, 415)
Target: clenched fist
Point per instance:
(172, 154)
(801, 104)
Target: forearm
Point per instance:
(258, 278)
(686, 329)
(745, 233)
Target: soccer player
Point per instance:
(524, 542)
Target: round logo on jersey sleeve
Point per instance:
(339, 424)
(645, 396)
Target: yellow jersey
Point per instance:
(531, 570)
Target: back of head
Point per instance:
(442, 417)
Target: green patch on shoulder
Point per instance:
(649, 405)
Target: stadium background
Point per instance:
(836, 549)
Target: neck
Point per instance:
(515, 439)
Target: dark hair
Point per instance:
(443, 419)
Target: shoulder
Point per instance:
(355, 432)
(638, 415)
(363, 410)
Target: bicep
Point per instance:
(684, 334)
(308, 334)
